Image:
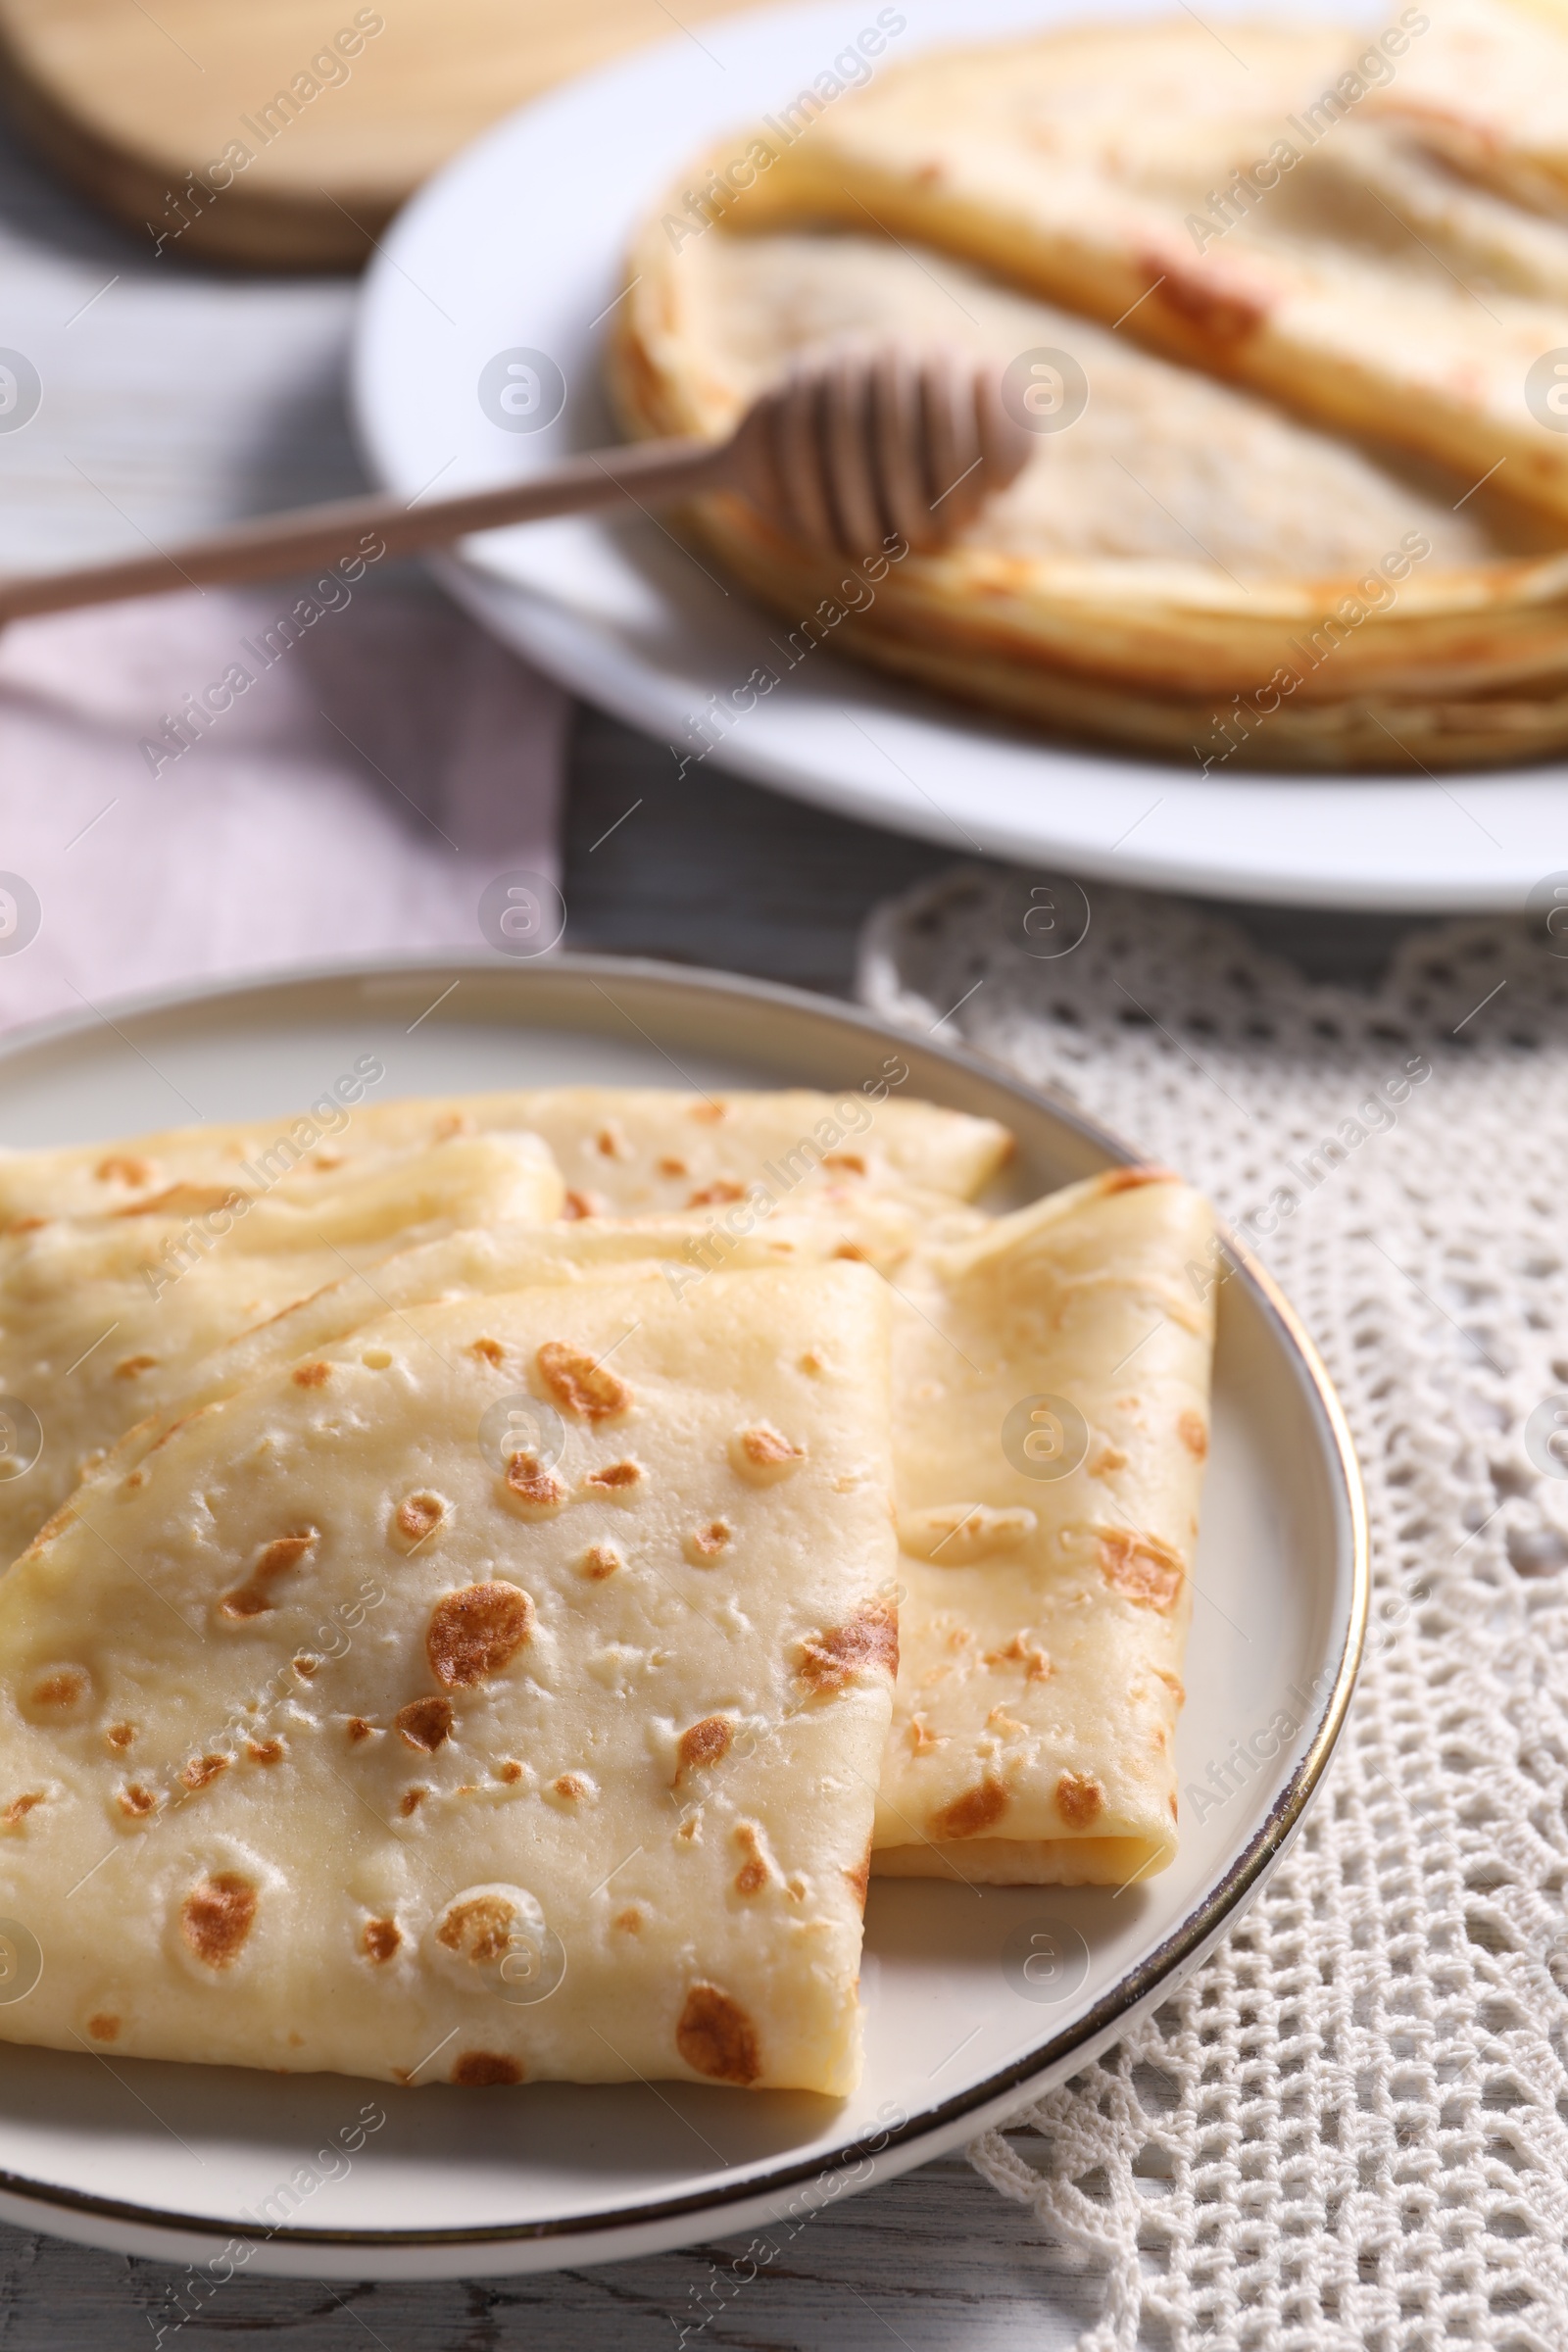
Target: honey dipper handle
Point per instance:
(311, 536)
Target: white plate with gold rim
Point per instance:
(975, 2000)
(518, 246)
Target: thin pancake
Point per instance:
(1051, 1402)
(1207, 562)
(622, 1150)
(366, 1741)
(102, 1318)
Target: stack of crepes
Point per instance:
(1287, 310)
(456, 1590)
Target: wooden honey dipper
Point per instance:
(855, 447)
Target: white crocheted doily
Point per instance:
(1349, 2129)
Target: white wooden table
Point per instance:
(175, 400)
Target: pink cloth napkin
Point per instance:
(338, 787)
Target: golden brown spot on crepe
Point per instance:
(104, 2028)
(923, 1737)
(412, 1798)
(598, 1561)
(704, 1543)
(1173, 1683)
(420, 1514)
(264, 1751)
(859, 1876)
(673, 1167)
(690, 1831)
(1173, 1804)
(765, 1452)
(423, 1724)
(813, 1361)
(1221, 310)
(451, 1123)
(1022, 1652)
(480, 2070)
(326, 1160)
(610, 1141)
(120, 1734)
(131, 1367)
(583, 1204)
(1103, 1458)
(305, 1665)
(617, 1478)
(66, 1686)
(705, 1742)
(311, 1375)
(852, 1249)
(710, 1196)
(1079, 1798)
(540, 1488)
(129, 1486)
(217, 1917)
(481, 1929)
(1142, 1568)
(379, 1938)
(580, 1383)
(123, 1168)
(21, 1806)
(254, 1598)
(489, 1352)
(136, 1800)
(1001, 1721)
(202, 1769)
(1193, 1435)
(850, 1161)
(708, 1114)
(630, 1921)
(717, 2038)
(750, 1878)
(476, 1633)
(571, 1785)
(1126, 1180)
(26, 1224)
(971, 1814)
(865, 1643)
(359, 1729)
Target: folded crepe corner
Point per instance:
(330, 1740)
(1047, 1586)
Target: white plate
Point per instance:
(169, 2161)
(519, 244)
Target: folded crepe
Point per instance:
(621, 1149)
(101, 1318)
(1486, 87)
(1311, 284)
(1045, 1596)
(1051, 1415)
(332, 1738)
(1270, 500)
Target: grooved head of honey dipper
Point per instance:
(865, 448)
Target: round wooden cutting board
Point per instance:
(284, 135)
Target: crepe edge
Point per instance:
(1027, 1861)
